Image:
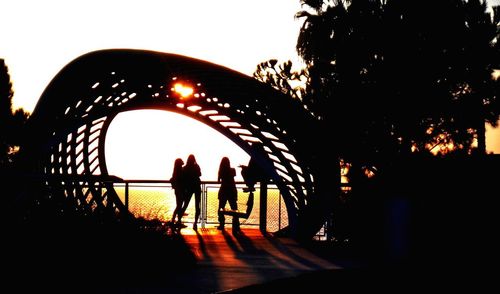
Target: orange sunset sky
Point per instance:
(40, 37)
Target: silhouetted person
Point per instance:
(227, 193)
(177, 185)
(191, 174)
(253, 173)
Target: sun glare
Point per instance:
(144, 144)
(183, 90)
(496, 74)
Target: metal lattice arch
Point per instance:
(70, 121)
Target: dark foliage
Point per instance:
(395, 77)
(57, 250)
(11, 123)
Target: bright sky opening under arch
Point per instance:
(40, 37)
(152, 145)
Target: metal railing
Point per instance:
(155, 200)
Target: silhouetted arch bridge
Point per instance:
(70, 121)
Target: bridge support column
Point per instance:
(263, 207)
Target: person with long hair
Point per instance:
(177, 185)
(191, 174)
(227, 193)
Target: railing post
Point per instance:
(263, 207)
(126, 195)
(279, 211)
(99, 189)
(203, 212)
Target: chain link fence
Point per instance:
(155, 200)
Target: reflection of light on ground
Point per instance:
(247, 258)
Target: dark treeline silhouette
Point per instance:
(396, 76)
(11, 122)
(392, 82)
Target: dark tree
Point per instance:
(395, 77)
(341, 45)
(481, 48)
(11, 124)
(6, 94)
(283, 78)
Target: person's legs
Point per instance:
(197, 202)
(185, 202)
(236, 221)
(222, 219)
(178, 206)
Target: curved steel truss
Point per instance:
(73, 114)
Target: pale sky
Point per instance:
(38, 38)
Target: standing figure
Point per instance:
(191, 174)
(177, 185)
(227, 193)
(253, 173)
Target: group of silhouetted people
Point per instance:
(186, 181)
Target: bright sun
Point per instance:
(143, 144)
